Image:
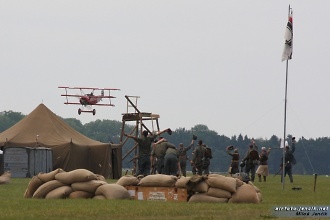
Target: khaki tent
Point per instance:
(71, 149)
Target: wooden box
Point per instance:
(157, 193)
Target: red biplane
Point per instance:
(87, 99)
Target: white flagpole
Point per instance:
(285, 108)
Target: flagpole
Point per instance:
(285, 106)
(285, 110)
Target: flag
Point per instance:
(288, 36)
(282, 145)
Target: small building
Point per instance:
(26, 161)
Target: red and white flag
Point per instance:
(288, 36)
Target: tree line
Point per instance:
(311, 154)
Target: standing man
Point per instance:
(251, 161)
(183, 156)
(158, 153)
(289, 160)
(233, 169)
(207, 159)
(263, 164)
(144, 144)
(198, 156)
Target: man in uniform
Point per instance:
(171, 162)
(183, 156)
(289, 160)
(198, 156)
(233, 169)
(158, 153)
(251, 161)
(207, 159)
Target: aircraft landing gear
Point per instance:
(94, 112)
(79, 111)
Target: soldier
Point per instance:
(158, 152)
(198, 156)
(263, 164)
(289, 160)
(233, 169)
(251, 161)
(207, 159)
(171, 162)
(183, 156)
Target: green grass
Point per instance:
(14, 206)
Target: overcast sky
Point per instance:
(214, 62)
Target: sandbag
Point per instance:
(45, 177)
(61, 192)
(33, 185)
(100, 177)
(244, 194)
(113, 191)
(80, 195)
(78, 175)
(45, 188)
(182, 182)
(89, 186)
(222, 182)
(202, 197)
(194, 180)
(5, 177)
(256, 188)
(239, 182)
(128, 180)
(201, 187)
(219, 193)
(99, 197)
(158, 180)
(259, 196)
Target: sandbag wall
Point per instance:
(208, 188)
(82, 183)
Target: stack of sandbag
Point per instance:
(219, 188)
(79, 183)
(158, 180)
(128, 180)
(5, 177)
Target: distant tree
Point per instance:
(9, 118)
(75, 124)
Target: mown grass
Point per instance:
(14, 206)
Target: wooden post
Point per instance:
(315, 177)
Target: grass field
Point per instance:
(14, 206)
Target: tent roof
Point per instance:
(42, 127)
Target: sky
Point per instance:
(216, 63)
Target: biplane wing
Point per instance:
(90, 88)
(96, 96)
(78, 103)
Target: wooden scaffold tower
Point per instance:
(133, 114)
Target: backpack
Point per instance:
(254, 155)
(208, 153)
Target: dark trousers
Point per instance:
(144, 165)
(288, 170)
(171, 164)
(183, 166)
(250, 167)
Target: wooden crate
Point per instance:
(157, 193)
